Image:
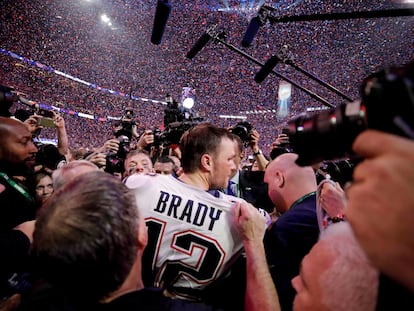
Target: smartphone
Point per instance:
(45, 122)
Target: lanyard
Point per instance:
(300, 200)
(16, 186)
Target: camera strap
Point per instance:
(16, 186)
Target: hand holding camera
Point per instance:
(146, 139)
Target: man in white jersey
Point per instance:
(192, 238)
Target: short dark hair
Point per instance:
(201, 139)
(85, 240)
(165, 159)
(239, 142)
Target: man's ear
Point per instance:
(142, 234)
(280, 179)
(206, 162)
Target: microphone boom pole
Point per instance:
(312, 76)
(338, 16)
(284, 57)
(217, 38)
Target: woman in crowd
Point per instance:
(41, 186)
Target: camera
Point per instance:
(386, 104)
(243, 130)
(7, 98)
(126, 124)
(160, 138)
(340, 171)
(115, 161)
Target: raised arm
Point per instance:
(261, 293)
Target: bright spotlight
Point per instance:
(188, 97)
(105, 18)
(188, 103)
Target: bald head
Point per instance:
(17, 150)
(68, 172)
(288, 181)
(7, 125)
(336, 270)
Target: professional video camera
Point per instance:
(177, 120)
(172, 134)
(386, 104)
(126, 124)
(243, 129)
(115, 161)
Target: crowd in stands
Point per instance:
(106, 219)
(68, 37)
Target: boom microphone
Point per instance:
(162, 13)
(267, 68)
(201, 42)
(251, 32)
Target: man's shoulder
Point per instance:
(140, 180)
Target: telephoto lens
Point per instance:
(386, 104)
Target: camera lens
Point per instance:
(327, 135)
(242, 129)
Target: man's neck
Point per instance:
(196, 180)
(132, 283)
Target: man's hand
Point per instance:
(111, 145)
(31, 123)
(281, 140)
(59, 121)
(254, 140)
(146, 139)
(250, 223)
(97, 158)
(381, 202)
(332, 199)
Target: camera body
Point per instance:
(340, 171)
(386, 104)
(160, 138)
(7, 98)
(115, 161)
(243, 129)
(172, 134)
(126, 125)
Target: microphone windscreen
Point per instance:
(201, 42)
(266, 69)
(162, 13)
(251, 32)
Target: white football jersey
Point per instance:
(192, 238)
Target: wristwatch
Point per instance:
(258, 152)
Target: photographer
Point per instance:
(257, 153)
(250, 138)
